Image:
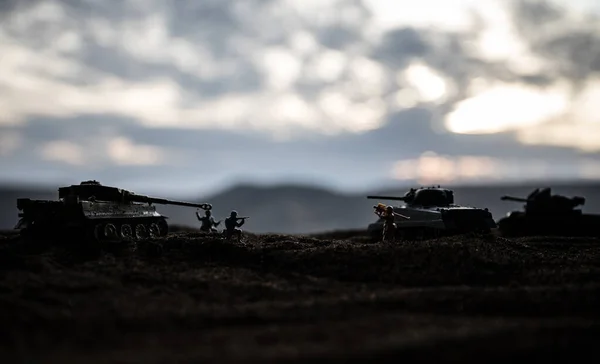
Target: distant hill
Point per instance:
(305, 209)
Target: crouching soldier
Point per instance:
(208, 222)
(233, 224)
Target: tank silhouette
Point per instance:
(549, 214)
(432, 212)
(96, 212)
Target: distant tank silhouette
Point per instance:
(94, 212)
(549, 214)
(432, 212)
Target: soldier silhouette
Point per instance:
(389, 224)
(208, 222)
(233, 224)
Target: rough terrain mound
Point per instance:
(278, 298)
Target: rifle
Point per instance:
(242, 217)
(380, 208)
(402, 216)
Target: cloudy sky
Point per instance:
(190, 96)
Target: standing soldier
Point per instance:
(208, 222)
(232, 226)
(389, 225)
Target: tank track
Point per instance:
(116, 230)
(100, 230)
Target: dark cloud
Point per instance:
(409, 133)
(7, 7)
(337, 37)
(400, 46)
(578, 53)
(78, 129)
(533, 15)
(572, 47)
(205, 20)
(452, 55)
(117, 62)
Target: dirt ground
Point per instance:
(282, 298)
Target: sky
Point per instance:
(191, 97)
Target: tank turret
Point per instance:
(431, 212)
(96, 212)
(545, 213)
(94, 191)
(424, 196)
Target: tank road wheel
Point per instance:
(141, 232)
(98, 232)
(126, 232)
(163, 227)
(153, 230)
(110, 231)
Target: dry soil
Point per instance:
(282, 298)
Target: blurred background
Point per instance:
(291, 111)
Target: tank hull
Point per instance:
(433, 222)
(575, 225)
(96, 221)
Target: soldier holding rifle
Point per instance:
(389, 226)
(233, 224)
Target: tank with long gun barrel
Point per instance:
(96, 212)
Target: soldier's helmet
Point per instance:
(233, 213)
(389, 209)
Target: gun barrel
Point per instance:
(243, 217)
(510, 198)
(402, 216)
(163, 201)
(393, 198)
